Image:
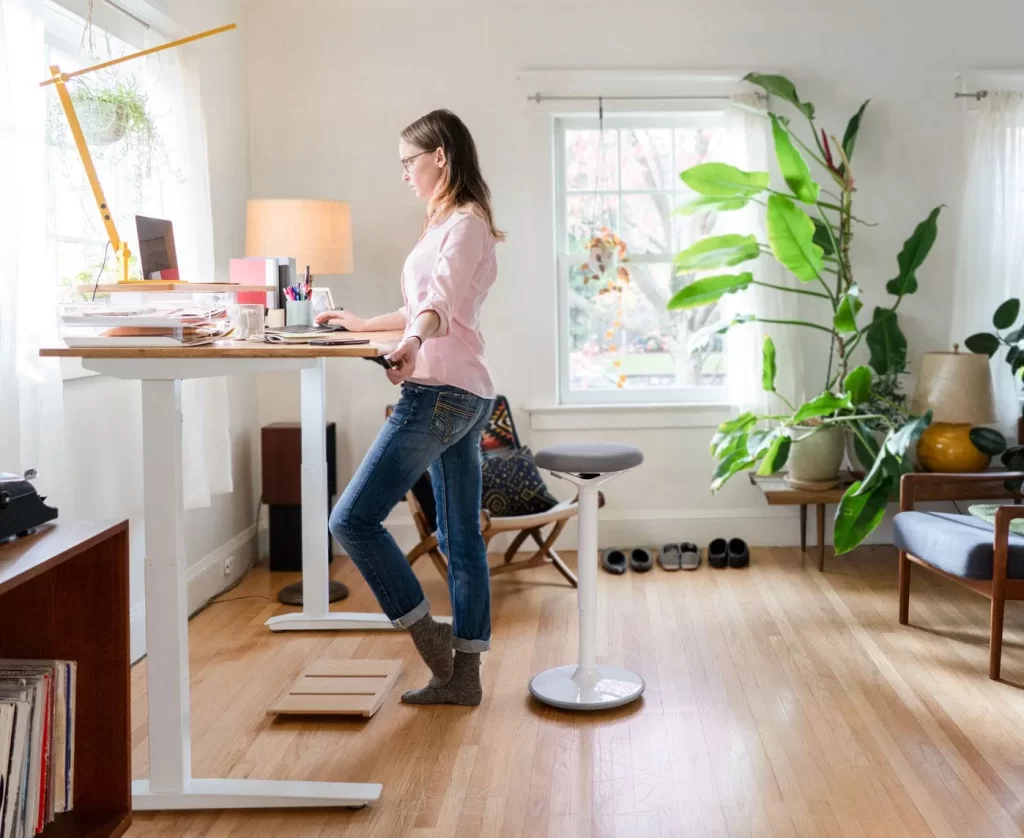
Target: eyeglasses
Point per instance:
(407, 160)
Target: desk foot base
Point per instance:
(335, 621)
(254, 794)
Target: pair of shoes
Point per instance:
(734, 553)
(614, 560)
(682, 556)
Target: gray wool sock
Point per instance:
(434, 643)
(462, 688)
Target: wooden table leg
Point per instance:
(803, 528)
(821, 537)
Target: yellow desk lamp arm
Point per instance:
(60, 80)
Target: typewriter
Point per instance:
(22, 510)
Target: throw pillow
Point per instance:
(512, 485)
(987, 513)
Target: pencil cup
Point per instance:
(298, 312)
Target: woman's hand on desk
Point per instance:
(403, 359)
(342, 318)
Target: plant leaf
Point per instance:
(777, 455)
(865, 445)
(720, 180)
(822, 238)
(857, 384)
(732, 464)
(783, 88)
(845, 319)
(791, 236)
(899, 442)
(710, 289)
(700, 337)
(824, 405)
(988, 441)
(718, 252)
(759, 441)
(859, 513)
(912, 256)
(729, 428)
(710, 203)
(886, 342)
(852, 128)
(794, 168)
(984, 343)
(768, 367)
(1006, 314)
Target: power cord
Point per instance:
(99, 273)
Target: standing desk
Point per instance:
(161, 371)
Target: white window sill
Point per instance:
(627, 417)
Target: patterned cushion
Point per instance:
(500, 433)
(513, 486)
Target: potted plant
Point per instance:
(810, 233)
(888, 399)
(988, 343)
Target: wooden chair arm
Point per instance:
(954, 486)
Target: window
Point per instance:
(623, 174)
(117, 109)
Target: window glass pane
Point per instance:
(647, 158)
(647, 222)
(591, 160)
(586, 214)
(630, 341)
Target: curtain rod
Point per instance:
(539, 97)
(977, 95)
(125, 12)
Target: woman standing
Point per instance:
(447, 398)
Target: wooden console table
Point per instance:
(64, 596)
(777, 492)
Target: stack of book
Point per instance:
(144, 326)
(37, 744)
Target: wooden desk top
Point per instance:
(380, 343)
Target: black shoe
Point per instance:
(614, 561)
(739, 553)
(718, 553)
(640, 560)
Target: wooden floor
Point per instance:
(780, 702)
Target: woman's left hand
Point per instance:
(403, 360)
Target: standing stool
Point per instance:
(587, 685)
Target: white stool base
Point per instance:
(599, 688)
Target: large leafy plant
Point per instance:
(810, 230)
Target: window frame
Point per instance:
(693, 113)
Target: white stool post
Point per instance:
(587, 685)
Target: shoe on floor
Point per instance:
(614, 561)
(640, 559)
(739, 553)
(670, 557)
(718, 553)
(690, 556)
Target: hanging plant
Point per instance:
(606, 259)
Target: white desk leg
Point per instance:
(315, 614)
(170, 784)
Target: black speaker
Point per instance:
(286, 537)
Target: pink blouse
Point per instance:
(449, 272)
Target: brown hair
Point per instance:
(461, 180)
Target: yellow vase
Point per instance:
(947, 447)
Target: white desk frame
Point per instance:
(170, 784)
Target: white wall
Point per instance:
(103, 415)
(325, 122)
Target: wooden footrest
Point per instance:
(339, 687)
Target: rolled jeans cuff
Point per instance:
(461, 645)
(418, 613)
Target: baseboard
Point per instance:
(205, 579)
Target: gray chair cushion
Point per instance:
(589, 457)
(957, 544)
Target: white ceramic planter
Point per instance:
(818, 457)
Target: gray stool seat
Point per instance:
(589, 457)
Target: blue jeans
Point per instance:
(436, 429)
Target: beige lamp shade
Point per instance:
(957, 386)
(315, 233)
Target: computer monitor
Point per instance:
(156, 248)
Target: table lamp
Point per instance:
(318, 234)
(957, 387)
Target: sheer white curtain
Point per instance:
(990, 249)
(31, 389)
(177, 112)
(751, 149)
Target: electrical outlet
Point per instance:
(229, 563)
